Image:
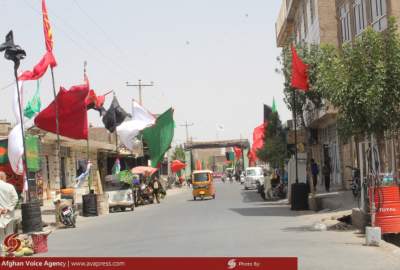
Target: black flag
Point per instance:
(267, 112)
(114, 116)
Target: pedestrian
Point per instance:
(314, 172)
(8, 201)
(156, 185)
(326, 170)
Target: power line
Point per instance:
(101, 29)
(107, 60)
(187, 125)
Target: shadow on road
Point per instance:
(249, 196)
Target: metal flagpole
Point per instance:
(87, 140)
(295, 134)
(57, 125)
(21, 118)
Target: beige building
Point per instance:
(333, 22)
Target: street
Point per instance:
(236, 223)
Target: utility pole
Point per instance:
(140, 85)
(187, 125)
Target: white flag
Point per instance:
(16, 150)
(141, 118)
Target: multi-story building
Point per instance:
(333, 22)
(315, 22)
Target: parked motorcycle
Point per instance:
(66, 213)
(278, 191)
(355, 181)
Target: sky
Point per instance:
(213, 61)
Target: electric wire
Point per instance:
(105, 59)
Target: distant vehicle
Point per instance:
(120, 195)
(228, 174)
(203, 185)
(242, 178)
(217, 175)
(254, 178)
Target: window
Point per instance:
(312, 10)
(360, 16)
(378, 14)
(345, 23)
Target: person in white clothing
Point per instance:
(8, 201)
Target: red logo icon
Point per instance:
(12, 243)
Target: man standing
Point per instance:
(314, 172)
(8, 201)
(326, 170)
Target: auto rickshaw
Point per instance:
(203, 185)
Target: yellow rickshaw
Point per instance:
(203, 185)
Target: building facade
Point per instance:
(334, 22)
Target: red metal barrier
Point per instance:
(387, 203)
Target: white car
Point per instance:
(254, 176)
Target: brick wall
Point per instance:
(327, 22)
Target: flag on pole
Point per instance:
(72, 113)
(141, 119)
(3, 151)
(238, 152)
(299, 78)
(274, 106)
(267, 112)
(48, 33)
(159, 136)
(114, 116)
(34, 104)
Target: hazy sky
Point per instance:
(212, 60)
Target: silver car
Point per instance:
(254, 176)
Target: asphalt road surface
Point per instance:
(236, 223)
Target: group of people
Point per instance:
(326, 173)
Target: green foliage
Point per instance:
(274, 150)
(179, 153)
(362, 80)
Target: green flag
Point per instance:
(274, 105)
(3, 151)
(159, 136)
(34, 104)
(32, 153)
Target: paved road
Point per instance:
(236, 223)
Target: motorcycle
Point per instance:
(278, 191)
(66, 214)
(145, 195)
(355, 181)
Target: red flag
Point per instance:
(299, 72)
(177, 165)
(238, 152)
(48, 33)
(93, 100)
(258, 137)
(72, 113)
(38, 71)
(198, 165)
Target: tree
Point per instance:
(179, 153)
(274, 149)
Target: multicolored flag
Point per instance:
(3, 151)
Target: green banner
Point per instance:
(32, 153)
(3, 151)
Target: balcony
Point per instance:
(320, 117)
(284, 23)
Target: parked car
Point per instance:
(120, 195)
(254, 178)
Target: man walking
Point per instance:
(8, 201)
(156, 185)
(314, 172)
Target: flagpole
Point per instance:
(21, 118)
(295, 134)
(57, 126)
(87, 140)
